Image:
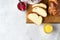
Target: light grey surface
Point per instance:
(13, 26)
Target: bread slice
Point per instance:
(35, 18)
(40, 11)
(40, 5)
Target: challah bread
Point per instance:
(35, 18)
(40, 5)
(40, 11)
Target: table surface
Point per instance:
(13, 25)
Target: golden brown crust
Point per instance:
(55, 1)
(52, 9)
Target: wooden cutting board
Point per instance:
(49, 18)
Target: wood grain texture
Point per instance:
(49, 18)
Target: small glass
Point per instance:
(33, 1)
